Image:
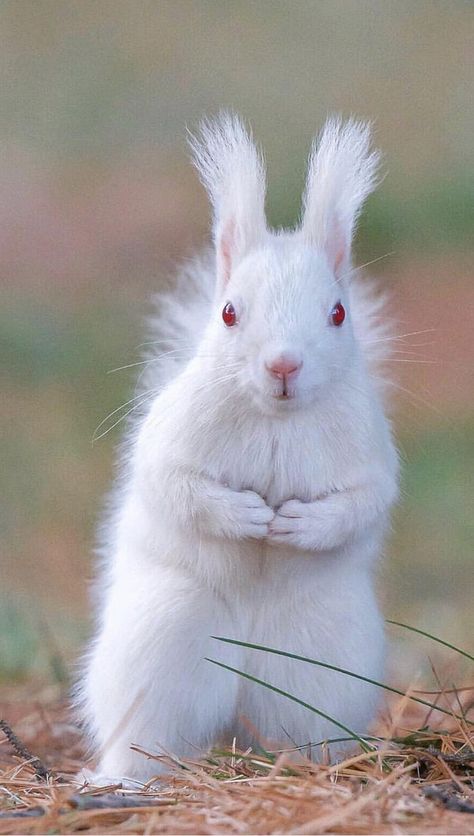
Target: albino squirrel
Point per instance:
(256, 484)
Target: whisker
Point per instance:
(409, 350)
(122, 406)
(368, 263)
(165, 341)
(213, 383)
(401, 336)
(409, 360)
(143, 400)
(149, 360)
(414, 396)
(228, 367)
(361, 266)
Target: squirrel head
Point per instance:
(281, 321)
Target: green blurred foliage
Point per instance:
(33, 646)
(98, 199)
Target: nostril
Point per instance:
(283, 368)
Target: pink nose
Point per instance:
(284, 367)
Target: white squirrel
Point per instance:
(257, 483)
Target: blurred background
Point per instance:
(98, 201)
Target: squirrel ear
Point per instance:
(232, 170)
(341, 174)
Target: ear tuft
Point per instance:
(342, 172)
(232, 170)
(226, 156)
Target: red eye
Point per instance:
(338, 314)
(228, 314)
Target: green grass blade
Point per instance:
(288, 696)
(344, 671)
(433, 638)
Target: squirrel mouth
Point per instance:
(285, 394)
(285, 391)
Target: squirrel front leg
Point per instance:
(196, 501)
(330, 521)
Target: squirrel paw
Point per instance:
(249, 514)
(301, 524)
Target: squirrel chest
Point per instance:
(279, 460)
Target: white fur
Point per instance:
(342, 173)
(241, 514)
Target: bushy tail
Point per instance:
(180, 318)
